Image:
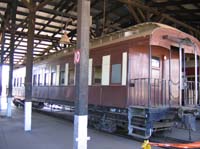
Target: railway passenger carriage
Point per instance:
(134, 78)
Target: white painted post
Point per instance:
(28, 116)
(9, 107)
(80, 131)
(81, 82)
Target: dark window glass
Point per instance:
(14, 82)
(116, 73)
(97, 74)
(20, 81)
(39, 80)
(45, 79)
(62, 78)
(71, 77)
(155, 62)
(34, 80)
(53, 78)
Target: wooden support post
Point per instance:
(81, 102)
(1, 63)
(29, 66)
(11, 56)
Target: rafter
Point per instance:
(42, 4)
(141, 14)
(26, 3)
(133, 12)
(52, 19)
(172, 3)
(152, 10)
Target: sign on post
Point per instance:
(77, 56)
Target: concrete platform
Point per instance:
(52, 133)
(183, 134)
(49, 132)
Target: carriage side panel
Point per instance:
(138, 74)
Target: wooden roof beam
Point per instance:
(42, 4)
(26, 4)
(133, 12)
(156, 12)
(141, 14)
(50, 20)
(37, 23)
(172, 3)
(67, 10)
(43, 37)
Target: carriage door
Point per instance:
(158, 84)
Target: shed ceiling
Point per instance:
(107, 16)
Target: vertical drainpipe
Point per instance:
(180, 74)
(196, 93)
(149, 74)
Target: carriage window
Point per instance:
(71, 77)
(116, 73)
(20, 82)
(62, 78)
(45, 79)
(53, 78)
(23, 80)
(34, 80)
(155, 62)
(39, 80)
(14, 82)
(97, 74)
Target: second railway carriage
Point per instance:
(135, 78)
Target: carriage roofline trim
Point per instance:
(167, 37)
(150, 29)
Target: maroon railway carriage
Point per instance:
(134, 77)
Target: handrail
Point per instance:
(161, 94)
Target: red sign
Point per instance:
(77, 56)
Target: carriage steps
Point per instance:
(142, 122)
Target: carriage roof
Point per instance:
(159, 35)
